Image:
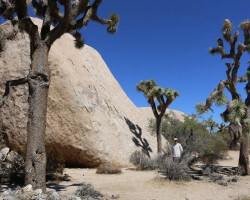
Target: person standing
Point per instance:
(176, 151)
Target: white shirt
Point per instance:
(176, 150)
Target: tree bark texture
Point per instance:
(158, 135)
(233, 130)
(243, 166)
(38, 81)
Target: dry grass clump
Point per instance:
(176, 171)
(143, 162)
(108, 168)
(87, 191)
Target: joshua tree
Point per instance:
(211, 124)
(67, 16)
(165, 97)
(237, 112)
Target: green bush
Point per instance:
(213, 148)
(198, 138)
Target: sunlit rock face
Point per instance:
(90, 119)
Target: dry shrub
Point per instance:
(87, 191)
(143, 162)
(176, 171)
(108, 168)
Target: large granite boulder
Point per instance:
(90, 119)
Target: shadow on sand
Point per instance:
(58, 187)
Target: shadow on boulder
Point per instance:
(137, 138)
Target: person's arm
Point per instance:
(181, 149)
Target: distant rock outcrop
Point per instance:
(90, 119)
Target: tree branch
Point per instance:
(241, 49)
(8, 84)
(7, 9)
(21, 9)
(31, 29)
(229, 68)
(62, 27)
(152, 103)
(100, 20)
(219, 89)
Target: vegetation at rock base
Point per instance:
(194, 136)
(143, 162)
(237, 111)
(199, 144)
(66, 17)
(159, 99)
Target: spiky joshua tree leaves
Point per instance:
(159, 98)
(237, 111)
(66, 16)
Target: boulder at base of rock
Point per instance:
(90, 119)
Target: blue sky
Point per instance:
(168, 41)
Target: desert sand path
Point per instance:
(147, 185)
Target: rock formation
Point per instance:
(90, 119)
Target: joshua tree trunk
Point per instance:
(243, 159)
(158, 135)
(38, 81)
(234, 138)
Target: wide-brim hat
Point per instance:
(175, 139)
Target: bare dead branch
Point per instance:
(8, 84)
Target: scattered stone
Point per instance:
(216, 177)
(3, 154)
(27, 188)
(223, 183)
(233, 179)
(11, 167)
(83, 192)
(198, 178)
(66, 177)
(53, 195)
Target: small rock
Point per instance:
(233, 179)
(3, 154)
(27, 188)
(223, 183)
(66, 177)
(12, 156)
(38, 191)
(53, 196)
(198, 178)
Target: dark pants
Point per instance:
(176, 159)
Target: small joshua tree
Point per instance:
(164, 96)
(237, 112)
(67, 16)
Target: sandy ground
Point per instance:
(148, 185)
